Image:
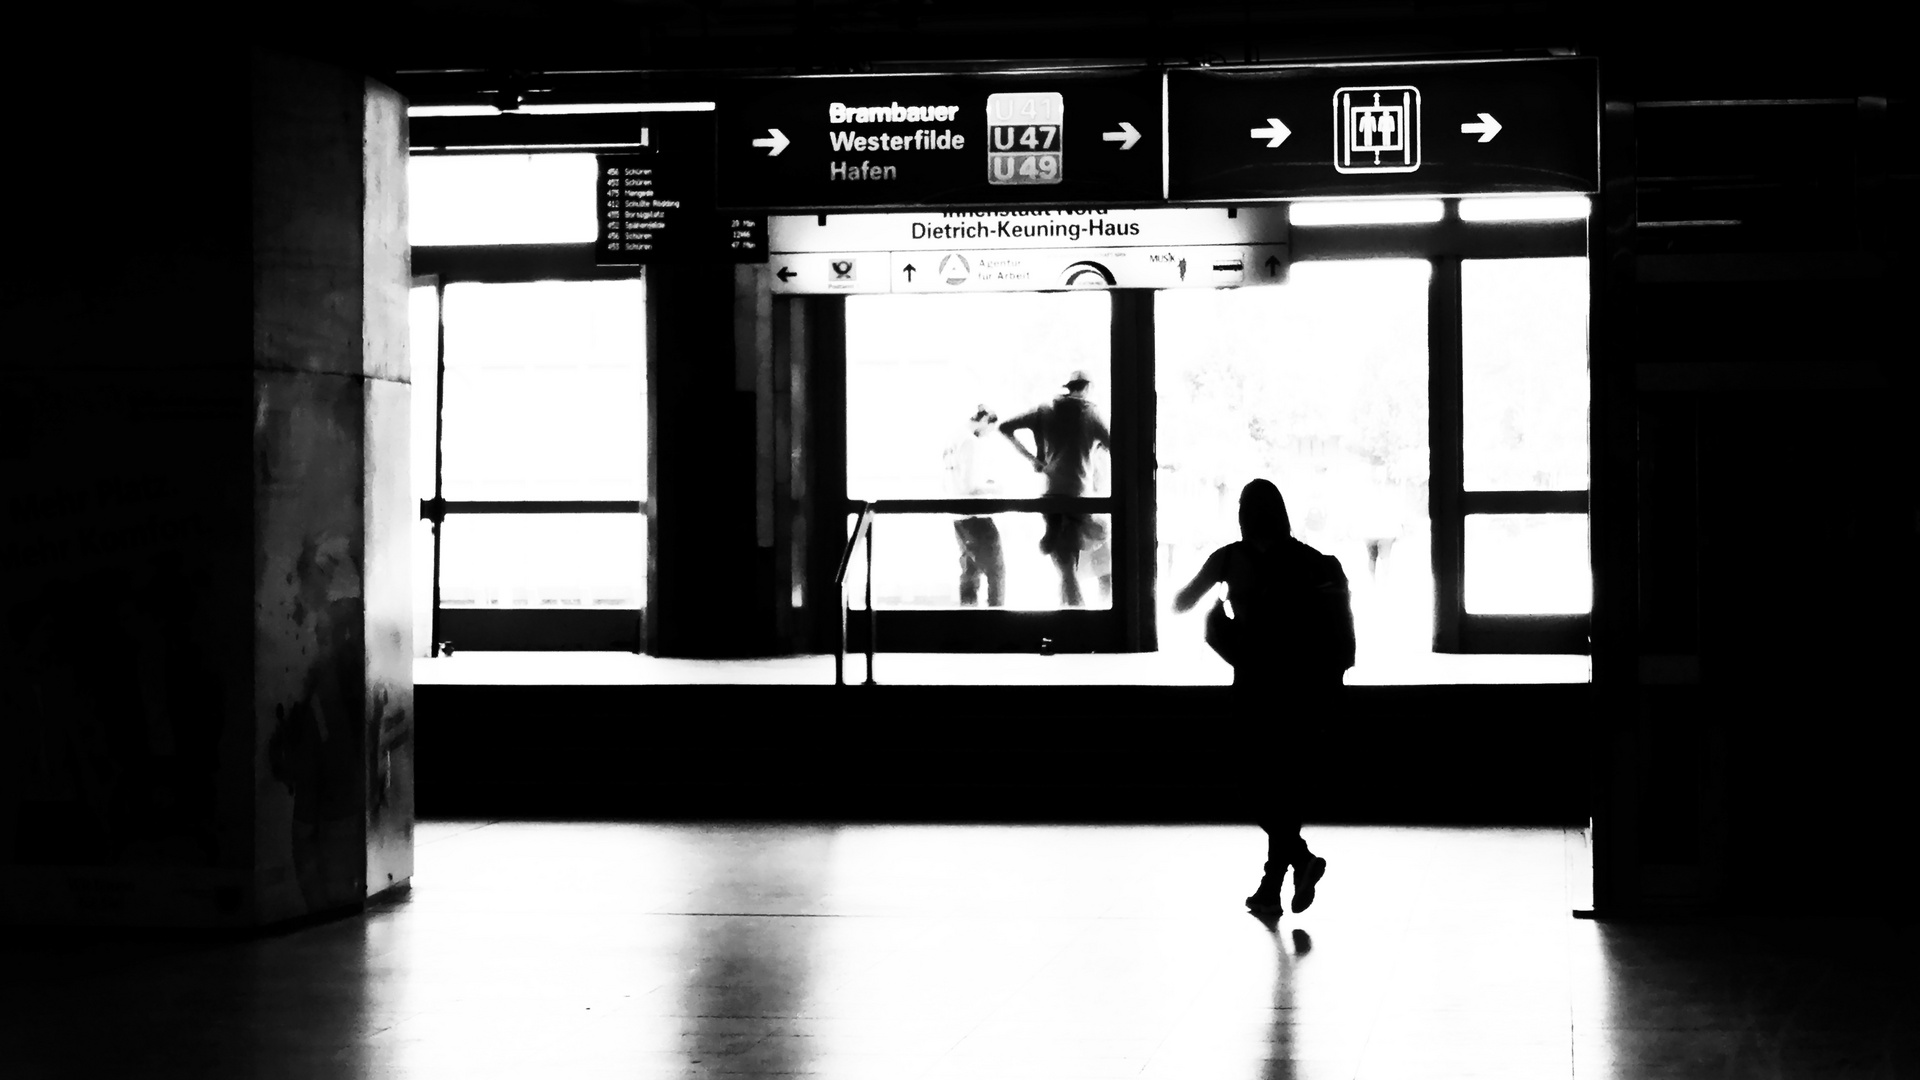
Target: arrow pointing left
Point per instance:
(1126, 136)
(775, 142)
(786, 275)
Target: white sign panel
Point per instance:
(935, 230)
(1027, 251)
(1031, 270)
(813, 273)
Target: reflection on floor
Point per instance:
(1185, 666)
(893, 953)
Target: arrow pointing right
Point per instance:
(1126, 136)
(775, 142)
(1487, 128)
(786, 274)
(1275, 134)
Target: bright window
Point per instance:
(543, 561)
(1528, 564)
(1524, 374)
(463, 199)
(545, 391)
(1319, 385)
(919, 369)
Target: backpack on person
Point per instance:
(1309, 631)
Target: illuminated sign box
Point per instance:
(1340, 131)
(891, 141)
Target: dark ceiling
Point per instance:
(1683, 47)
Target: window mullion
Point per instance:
(1445, 481)
(1523, 502)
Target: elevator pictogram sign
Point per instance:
(1376, 129)
(1402, 130)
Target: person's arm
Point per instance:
(1098, 429)
(1211, 574)
(1029, 421)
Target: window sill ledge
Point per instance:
(1181, 667)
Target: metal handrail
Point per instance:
(1033, 504)
(862, 530)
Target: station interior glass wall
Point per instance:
(1320, 384)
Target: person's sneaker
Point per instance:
(1304, 879)
(1266, 898)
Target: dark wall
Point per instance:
(126, 519)
(1754, 494)
(205, 388)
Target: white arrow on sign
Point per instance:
(775, 142)
(1487, 128)
(1126, 136)
(1275, 134)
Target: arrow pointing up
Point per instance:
(1275, 134)
(1126, 136)
(775, 142)
(1487, 128)
(909, 268)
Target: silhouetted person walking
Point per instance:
(1290, 642)
(1065, 431)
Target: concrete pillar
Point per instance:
(332, 611)
(175, 755)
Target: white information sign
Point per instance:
(1030, 270)
(935, 230)
(1027, 251)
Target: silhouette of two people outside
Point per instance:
(1290, 640)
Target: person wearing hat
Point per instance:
(971, 477)
(1065, 432)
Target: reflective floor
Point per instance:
(890, 953)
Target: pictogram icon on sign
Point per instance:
(1376, 129)
(955, 270)
(775, 142)
(1275, 132)
(1487, 128)
(842, 269)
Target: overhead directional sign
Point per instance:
(1442, 128)
(873, 142)
(1027, 250)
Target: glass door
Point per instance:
(983, 428)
